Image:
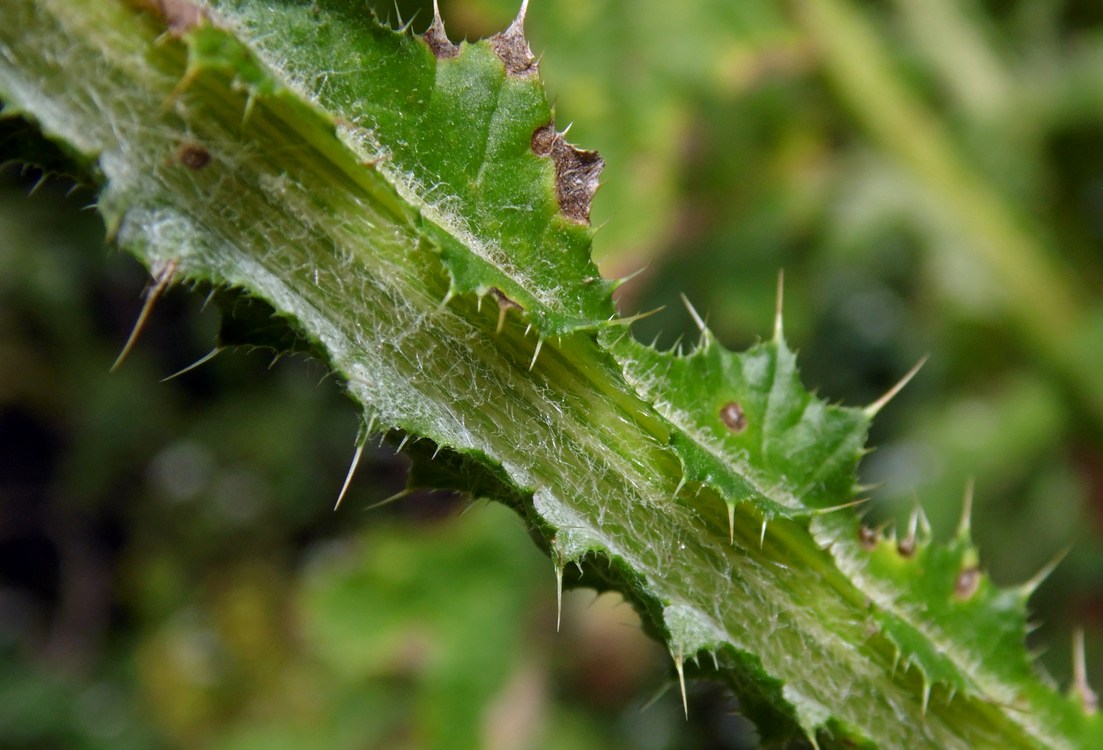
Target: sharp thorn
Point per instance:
(633, 318)
(779, 333)
(348, 477)
(693, 314)
(625, 279)
(924, 524)
(964, 525)
(731, 523)
(682, 684)
(393, 498)
(535, 354)
(909, 540)
(42, 180)
(162, 272)
(444, 302)
(762, 535)
(679, 487)
(1089, 700)
(402, 443)
(1028, 588)
(926, 698)
(558, 596)
(201, 361)
(833, 508)
(872, 410)
(501, 319)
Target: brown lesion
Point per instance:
(577, 172)
(733, 417)
(193, 155)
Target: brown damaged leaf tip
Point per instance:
(512, 48)
(576, 172)
(437, 38)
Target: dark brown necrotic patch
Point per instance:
(193, 156)
(731, 414)
(577, 172)
(437, 39)
(512, 49)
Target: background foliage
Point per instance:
(170, 569)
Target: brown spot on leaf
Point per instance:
(577, 172)
(968, 580)
(180, 16)
(193, 156)
(906, 546)
(731, 414)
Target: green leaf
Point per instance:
(747, 425)
(468, 142)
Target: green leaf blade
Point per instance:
(455, 135)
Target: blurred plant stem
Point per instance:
(1049, 306)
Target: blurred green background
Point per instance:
(929, 175)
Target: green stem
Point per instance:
(284, 209)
